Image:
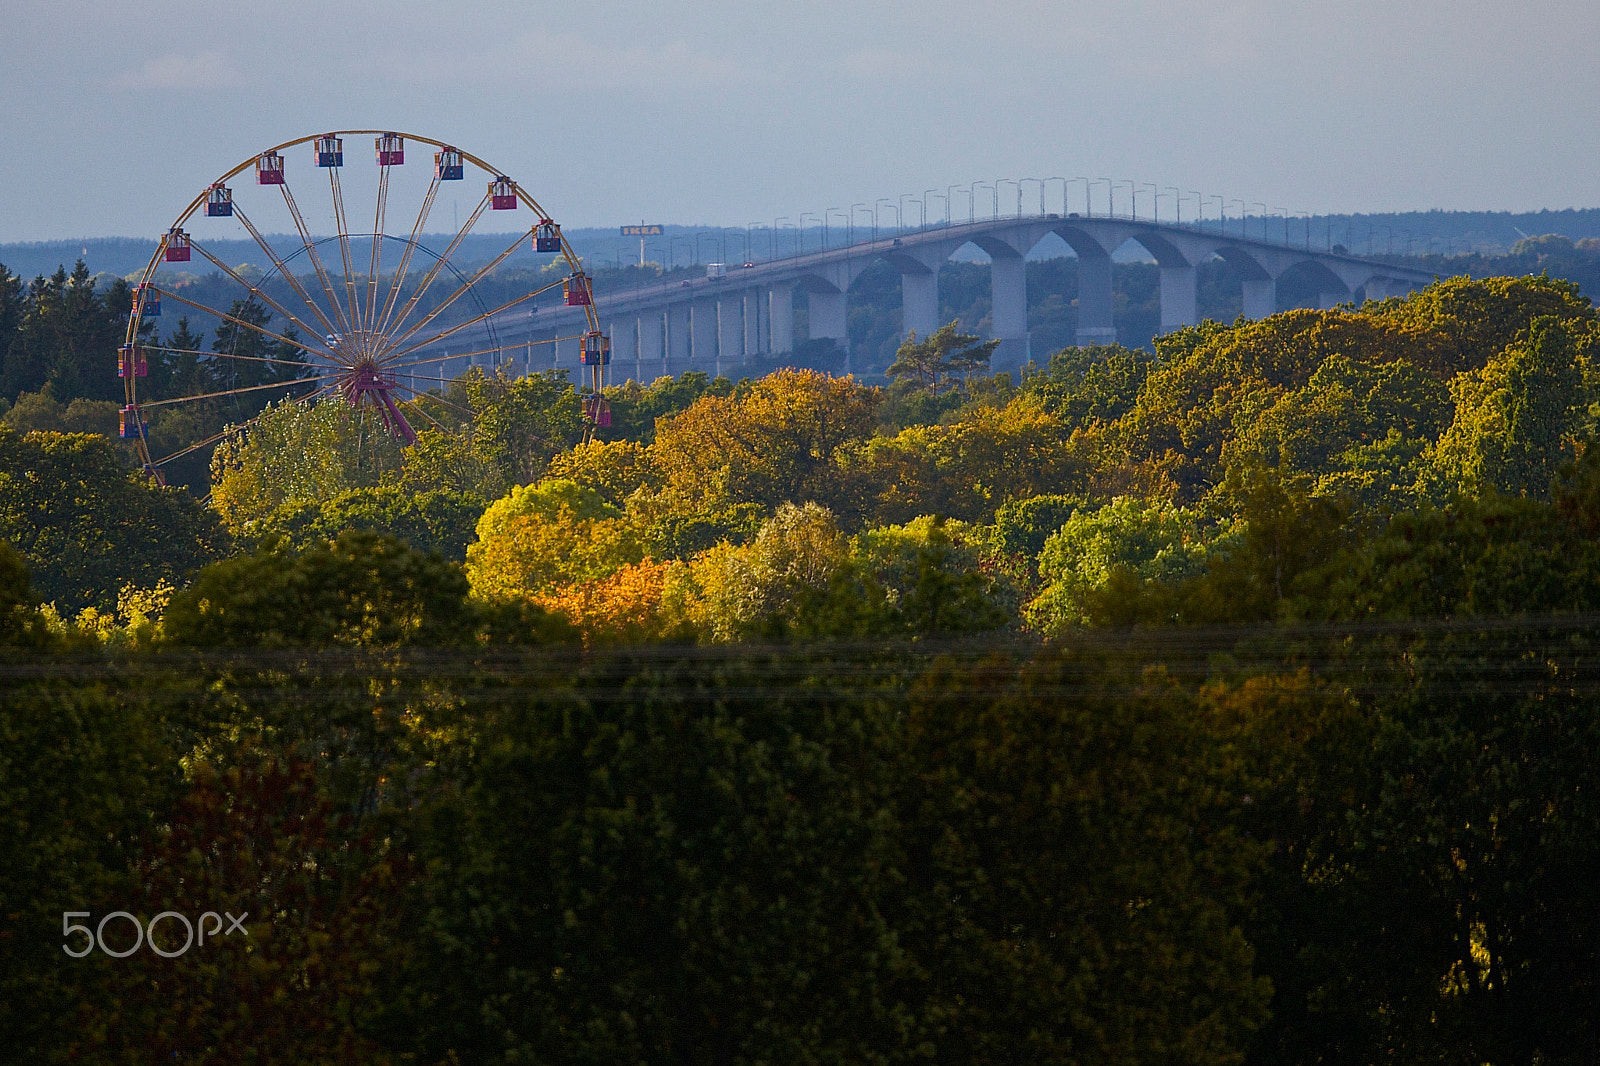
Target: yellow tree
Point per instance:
(542, 536)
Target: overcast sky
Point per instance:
(730, 111)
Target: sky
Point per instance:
(719, 112)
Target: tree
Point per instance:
(436, 521)
(936, 362)
(361, 590)
(545, 535)
(774, 444)
(87, 525)
(1513, 418)
(298, 453)
(1073, 891)
(1143, 541)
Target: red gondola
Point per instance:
(177, 246)
(547, 237)
(447, 165)
(597, 410)
(503, 194)
(330, 151)
(131, 424)
(131, 362)
(219, 201)
(391, 150)
(147, 300)
(269, 169)
(578, 290)
(596, 349)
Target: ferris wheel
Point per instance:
(374, 317)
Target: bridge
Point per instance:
(710, 322)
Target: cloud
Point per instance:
(187, 71)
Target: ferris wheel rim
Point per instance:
(387, 360)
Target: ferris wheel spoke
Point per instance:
(236, 320)
(283, 271)
(337, 189)
(397, 352)
(316, 260)
(411, 247)
(374, 268)
(433, 272)
(222, 355)
(391, 367)
(431, 398)
(465, 287)
(254, 291)
(416, 408)
(239, 392)
(238, 428)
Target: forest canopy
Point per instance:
(1226, 703)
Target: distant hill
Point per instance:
(1416, 232)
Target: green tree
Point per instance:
(298, 453)
(87, 525)
(935, 362)
(363, 589)
(1514, 418)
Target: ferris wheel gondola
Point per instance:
(348, 326)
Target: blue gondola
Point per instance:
(547, 237)
(447, 165)
(330, 151)
(219, 201)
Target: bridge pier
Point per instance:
(730, 330)
(781, 298)
(625, 347)
(678, 347)
(1095, 325)
(752, 323)
(827, 317)
(703, 331)
(1178, 298)
(919, 304)
(1260, 297)
(650, 348)
(1008, 289)
(1327, 301)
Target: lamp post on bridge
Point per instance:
(1003, 181)
(803, 215)
(929, 194)
(775, 228)
(1155, 198)
(891, 203)
(1087, 211)
(1111, 197)
(1263, 219)
(1133, 196)
(672, 254)
(901, 204)
(853, 209)
(972, 201)
(826, 214)
(1020, 183)
(1222, 214)
(949, 190)
(1063, 182)
(1241, 204)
